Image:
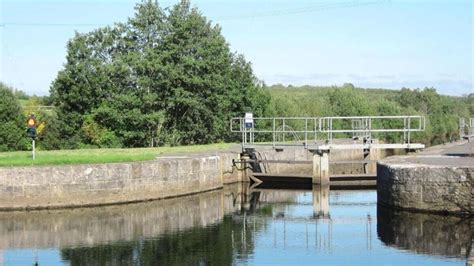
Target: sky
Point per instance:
(376, 43)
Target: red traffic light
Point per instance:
(31, 122)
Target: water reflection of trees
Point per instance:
(220, 243)
(214, 244)
(425, 233)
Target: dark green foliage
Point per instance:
(12, 122)
(163, 77)
(442, 112)
(49, 138)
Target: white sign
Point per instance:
(248, 119)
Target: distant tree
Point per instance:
(161, 77)
(349, 102)
(21, 95)
(12, 123)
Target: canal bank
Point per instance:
(87, 185)
(69, 186)
(438, 180)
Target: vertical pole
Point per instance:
(274, 133)
(316, 168)
(34, 155)
(321, 168)
(409, 125)
(330, 130)
(405, 130)
(283, 129)
(370, 129)
(315, 131)
(306, 133)
(325, 168)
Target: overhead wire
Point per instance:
(308, 9)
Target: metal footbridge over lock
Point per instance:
(320, 135)
(326, 133)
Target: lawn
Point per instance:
(59, 157)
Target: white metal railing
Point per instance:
(367, 125)
(277, 128)
(305, 129)
(471, 126)
(466, 130)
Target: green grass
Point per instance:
(60, 157)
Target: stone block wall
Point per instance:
(431, 188)
(102, 184)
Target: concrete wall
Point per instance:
(100, 184)
(300, 154)
(412, 182)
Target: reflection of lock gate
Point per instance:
(319, 234)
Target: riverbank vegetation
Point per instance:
(167, 77)
(442, 112)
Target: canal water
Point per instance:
(237, 226)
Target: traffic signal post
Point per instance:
(31, 132)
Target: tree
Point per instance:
(12, 123)
(163, 76)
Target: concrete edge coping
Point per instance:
(401, 161)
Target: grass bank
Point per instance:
(60, 157)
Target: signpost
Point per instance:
(31, 131)
(249, 124)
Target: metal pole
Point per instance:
(405, 130)
(330, 130)
(34, 155)
(315, 131)
(274, 133)
(370, 129)
(306, 133)
(409, 131)
(283, 127)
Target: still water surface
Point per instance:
(237, 225)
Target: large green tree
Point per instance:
(161, 77)
(12, 122)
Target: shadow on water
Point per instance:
(431, 234)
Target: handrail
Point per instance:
(358, 126)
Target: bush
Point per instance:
(12, 122)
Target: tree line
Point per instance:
(168, 77)
(442, 112)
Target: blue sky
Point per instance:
(389, 44)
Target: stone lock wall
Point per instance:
(102, 184)
(431, 188)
